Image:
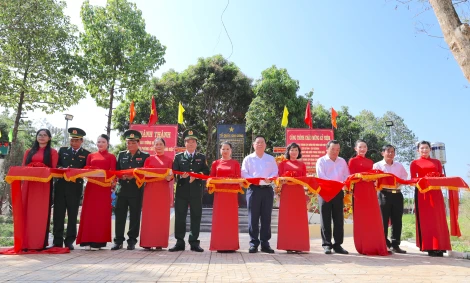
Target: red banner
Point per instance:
(149, 133)
(169, 133)
(312, 142)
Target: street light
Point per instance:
(68, 117)
(390, 125)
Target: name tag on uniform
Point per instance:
(138, 159)
(81, 156)
(198, 160)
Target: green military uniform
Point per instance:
(129, 196)
(67, 195)
(189, 194)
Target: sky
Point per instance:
(360, 54)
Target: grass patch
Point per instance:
(461, 244)
(6, 231)
(6, 242)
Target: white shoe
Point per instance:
(95, 249)
(87, 248)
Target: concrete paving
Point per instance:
(162, 266)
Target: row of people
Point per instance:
(371, 217)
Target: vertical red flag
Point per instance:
(308, 116)
(132, 113)
(153, 113)
(333, 118)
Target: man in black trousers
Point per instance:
(189, 191)
(259, 198)
(391, 199)
(67, 195)
(129, 195)
(332, 167)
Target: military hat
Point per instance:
(132, 135)
(189, 134)
(76, 133)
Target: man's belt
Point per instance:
(262, 186)
(393, 191)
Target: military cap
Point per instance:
(189, 134)
(132, 135)
(76, 133)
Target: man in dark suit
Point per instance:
(67, 195)
(129, 196)
(189, 191)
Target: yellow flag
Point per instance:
(180, 113)
(284, 117)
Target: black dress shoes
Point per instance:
(116, 247)
(340, 250)
(70, 246)
(253, 250)
(197, 249)
(397, 250)
(267, 250)
(130, 247)
(176, 248)
(327, 250)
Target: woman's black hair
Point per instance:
(293, 145)
(424, 142)
(227, 143)
(106, 137)
(47, 151)
(159, 139)
(359, 141)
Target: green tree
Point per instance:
(118, 53)
(274, 90)
(25, 138)
(37, 68)
(403, 138)
(214, 91)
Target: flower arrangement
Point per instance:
(347, 205)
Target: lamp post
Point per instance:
(390, 125)
(68, 117)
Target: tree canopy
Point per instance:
(119, 55)
(213, 91)
(37, 65)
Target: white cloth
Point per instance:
(396, 168)
(328, 169)
(255, 167)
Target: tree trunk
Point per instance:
(110, 111)
(456, 34)
(14, 140)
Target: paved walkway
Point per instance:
(152, 266)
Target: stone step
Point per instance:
(206, 227)
(206, 220)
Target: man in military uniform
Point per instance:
(129, 196)
(67, 195)
(189, 192)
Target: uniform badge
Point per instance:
(81, 156)
(198, 160)
(190, 133)
(139, 159)
(131, 135)
(74, 132)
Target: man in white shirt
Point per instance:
(332, 167)
(391, 199)
(259, 198)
